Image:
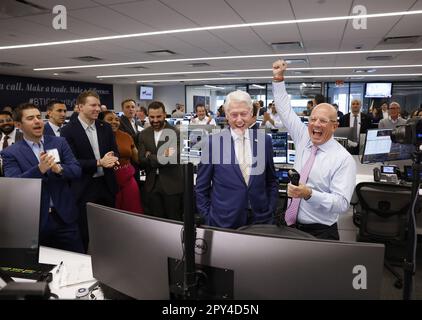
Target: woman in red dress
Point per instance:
(128, 198)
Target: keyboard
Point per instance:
(39, 272)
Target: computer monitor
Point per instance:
(279, 142)
(282, 175)
(131, 253)
(20, 200)
(291, 150)
(408, 174)
(193, 137)
(146, 93)
(344, 132)
(380, 148)
(378, 90)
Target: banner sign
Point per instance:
(15, 90)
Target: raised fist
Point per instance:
(279, 67)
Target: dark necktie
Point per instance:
(355, 129)
(5, 142)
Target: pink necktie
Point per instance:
(291, 213)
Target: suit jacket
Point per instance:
(48, 130)
(365, 122)
(171, 174)
(222, 196)
(81, 147)
(126, 126)
(20, 161)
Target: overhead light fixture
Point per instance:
(214, 87)
(295, 61)
(233, 57)
(286, 77)
(209, 28)
(161, 53)
(258, 86)
(233, 73)
(304, 84)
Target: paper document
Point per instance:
(74, 273)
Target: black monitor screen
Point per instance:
(408, 173)
(283, 175)
(279, 141)
(380, 148)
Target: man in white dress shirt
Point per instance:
(201, 116)
(329, 187)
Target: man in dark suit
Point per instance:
(128, 122)
(50, 159)
(56, 111)
(8, 133)
(159, 154)
(357, 120)
(236, 183)
(94, 146)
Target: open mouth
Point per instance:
(316, 133)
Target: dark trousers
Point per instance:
(320, 231)
(61, 235)
(96, 192)
(162, 205)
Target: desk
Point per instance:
(55, 256)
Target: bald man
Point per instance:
(328, 171)
(361, 125)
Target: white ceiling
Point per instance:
(116, 17)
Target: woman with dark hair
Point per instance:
(128, 197)
(375, 114)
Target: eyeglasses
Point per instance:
(243, 114)
(6, 120)
(323, 121)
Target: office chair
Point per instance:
(381, 214)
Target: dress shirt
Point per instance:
(133, 123)
(36, 148)
(333, 176)
(237, 138)
(91, 132)
(385, 115)
(277, 121)
(55, 128)
(157, 136)
(10, 141)
(203, 121)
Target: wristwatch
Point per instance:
(60, 169)
(310, 195)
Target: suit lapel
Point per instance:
(27, 153)
(82, 134)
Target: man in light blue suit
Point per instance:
(50, 159)
(236, 183)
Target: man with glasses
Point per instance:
(236, 183)
(394, 120)
(9, 134)
(327, 170)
